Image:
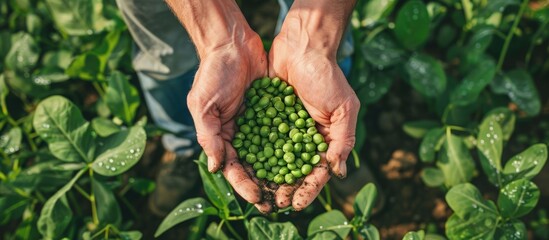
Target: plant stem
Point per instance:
(82, 191)
(533, 43)
(98, 88)
(356, 158)
(235, 234)
(328, 194)
(510, 35)
(92, 200)
(323, 202)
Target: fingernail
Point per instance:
(342, 169)
(212, 167)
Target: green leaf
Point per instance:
(330, 221)
(108, 210)
(382, 51)
(477, 226)
(369, 232)
(186, 210)
(481, 39)
(11, 141)
(527, 164)
(505, 118)
(518, 198)
(120, 151)
(426, 75)
(511, 230)
(142, 186)
(432, 177)
(212, 233)
(121, 97)
(5, 45)
(473, 83)
(412, 24)
(218, 189)
(56, 213)
(12, 207)
(78, 17)
(431, 144)
(519, 86)
(86, 66)
(377, 84)
(496, 6)
(418, 129)
(57, 59)
(23, 54)
(490, 147)
(376, 9)
(60, 123)
(130, 235)
(326, 235)
(419, 235)
(466, 201)
(261, 229)
(455, 161)
(364, 202)
(104, 127)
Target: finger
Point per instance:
(284, 194)
(342, 135)
(264, 207)
(236, 175)
(311, 186)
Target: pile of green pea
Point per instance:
(275, 133)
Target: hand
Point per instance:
(214, 101)
(327, 96)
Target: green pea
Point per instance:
(245, 128)
(237, 143)
(303, 114)
(298, 107)
(279, 106)
(293, 117)
(256, 140)
(307, 138)
(249, 114)
(264, 131)
(283, 128)
(299, 162)
(282, 115)
(247, 143)
(261, 156)
(289, 110)
(288, 147)
(279, 143)
(270, 176)
(322, 147)
(297, 173)
(264, 141)
(293, 132)
(306, 156)
(265, 82)
(273, 137)
(283, 170)
(310, 122)
(289, 157)
(298, 137)
(275, 169)
(276, 99)
(261, 92)
(260, 114)
(282, 86)
(267, 167)
(251, 158)
(240, 121)
(299, 101)
(298, 147)
(306, 169)
(263, 102)
(268, 144)
(266, 121)
(242, 153)
(275, 82)
(289, 178)
(291, 166)
(249, 136)
(318, 138)
(281, 163)
(300, 123)
(240, 135)
(253, 149)
(270, 89)
(288, 90)
(257, 166)
(270, 112)
(315, 159)
(252, 123)
(268, 152)
(310, 147)
(272, 161)
(289, 100)
(256, 84)
(279, 153)
(250, 93)
(279, 179)
(311, 130)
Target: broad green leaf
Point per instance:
(218, 190)
(432, 177)
(104, 127)
(505, 118)
(186, 210)
(56, 213)
(330, 221)
(477, 226)
(527, 164)
(490, 147)
(86, 67)
(496, 6)
(377, 84)
(23, 54)
(45, 175)
(60, 123)
(364, 202)
(120, 151)
(455, 161)
(360, 72)
(418, 129)
(108, 210)
(466, 201)
(47, 75)
(473, 83)
(142, 186)
(374, 10)
(121, 97)
(511, 230)
(518, 198)
(412, 24)
(446, 35)
(480, 40)
(261, 229)
(212, 232)
(432, 236)
(27, 229)
(430, 144)
(34, 23)
(57, 59)
(12, 207)
(369, 232)
(10, 142)
(419, 235)
(326, 235)
(382, 51)
(437, 12)
(519, 86)
(130, 235)
(426, 75)
(78, 17)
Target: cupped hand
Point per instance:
(215, 98)
(331, 102)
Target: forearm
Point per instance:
(317, 24)
(211, 23)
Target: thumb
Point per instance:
(342, 135)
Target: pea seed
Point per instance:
(279, 179)
(250, 93)
(272, 161)
(281, 162)
(252, 123)
(271, 112)
(282, 115)
(237, 143)
(289, 178)
(299, 162)
(289, 100)
(260, 114)
(293, 117)
(307, 138)
(270, 176)
(288, 148)
(310, 122)
(249, 114)
(291, 166)
(311, 131)
(266, 121)
(279, 153)
(240, 121)
(300, 123)
(322, 147)
(298, 137)
(257, 165)
(310, 147)
(265, 82)
(282, 86)
(298, 147)
(247, 143)
(275, 169)
(250, 158)
(256, 140)
(318, 138)
(306, 156)
(268, 144)
(267, 167)
(288, 90)
(283, 170)
(270, 89)
(298, 107)
(242, 153)
(240, 135)
(306, 169)
(277, 121)
(289, 157)
(263, 102)
(280, 142)
(279, 106)
(297, 173)
(289, 110)
(256, 84)
(275, 82)
(268, 152)
(315, 159)
(245, 128)
(283, 128)
(253, 149)
(261, 156)
(303, 114)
